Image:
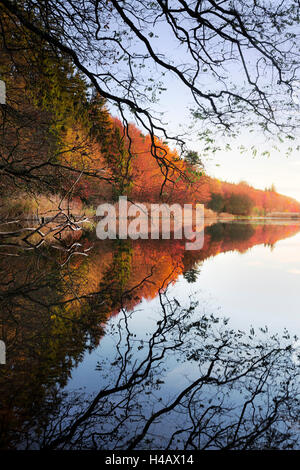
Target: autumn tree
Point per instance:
(51, 120)
(236, 75)
(216, 202)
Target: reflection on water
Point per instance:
(109, 350)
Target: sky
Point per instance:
(232, 166)
(260, 171)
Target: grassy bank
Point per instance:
(33, 208)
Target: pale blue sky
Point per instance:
(261, 171)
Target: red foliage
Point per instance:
(146, 174)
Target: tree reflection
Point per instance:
(53, 312)
(242, 391)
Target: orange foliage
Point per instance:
(153, 264)
(263, 202)
(152, 173)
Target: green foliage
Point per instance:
(191, 275)
(57, 88)
(232, 232)
(239, 204)
(117, 274)
(117, 155)
(46, 98)
(271, 189)
(216, 203)
(193, 158)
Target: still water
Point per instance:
(142, 344)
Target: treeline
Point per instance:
(57, 138)
(133, 170)
(243, 199)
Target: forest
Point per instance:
(58, 139)
(129, 344)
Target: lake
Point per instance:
(125, 344)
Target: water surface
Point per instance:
(142, 344)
